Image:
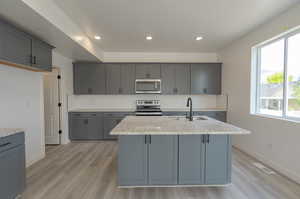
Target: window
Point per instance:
(277, 77)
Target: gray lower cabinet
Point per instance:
(94, 125)
(204, 159)
(217, 159)
(147, 160)
(89, 78)
(206, 78)
(175, 79)
(12, 166)
(132, 160)
(148, 71)
(191, 159)
(110, 123)
(86, 126)
(162, 157)
(120, 78)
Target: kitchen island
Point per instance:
(173, 151)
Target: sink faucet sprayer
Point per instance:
(189, 103)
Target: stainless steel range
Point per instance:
(148, 108)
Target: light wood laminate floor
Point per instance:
(89, 171)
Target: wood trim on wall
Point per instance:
(20, 66)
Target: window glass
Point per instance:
(270, 96)
(293, 71)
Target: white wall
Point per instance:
(273, 141)
(22, 106)
(66, 71)
(128, 101)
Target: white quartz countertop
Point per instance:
(174, 125)
(133, 109)
(9, 131)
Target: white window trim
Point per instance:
(255, 76)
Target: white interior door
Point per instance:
(51, 100)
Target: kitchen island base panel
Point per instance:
(142, 162)
(174, 186)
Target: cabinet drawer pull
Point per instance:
(5, 144)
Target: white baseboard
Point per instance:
(283, 171)
(31, 162)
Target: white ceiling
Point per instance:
(174, 24)
(16, 12)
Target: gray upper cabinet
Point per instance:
(175, 78)
(163, 159)
(41, 55)
(132, 156)
(15, 46)
(217, 162)
(113, 78)
(89, 78)
(147, 71)
(18, 47)
(206, 78)
(120, 78)
(191, 159)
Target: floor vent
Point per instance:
(264, 168)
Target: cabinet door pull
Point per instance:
(208, 138)
(202, 138)
(150, 139)
(5, 144)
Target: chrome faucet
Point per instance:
(189, 103)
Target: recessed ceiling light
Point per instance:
(149, 37)
(199, 38)
(97, 37)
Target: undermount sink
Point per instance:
(185, 118)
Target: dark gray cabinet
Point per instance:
(41, 55)
(217, 160)
(147, 71)
(175, 78)
(150, 160)
(94, 125)
(204, 159)
(18, 47)
(132, 160)
(86, 126)
(109, 124)
(162, 157)
(89, 78)
(120, 78)
(12, 166)
(191, 159)
(206, 78)
(15, 46)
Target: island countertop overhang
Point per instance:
(174, 125)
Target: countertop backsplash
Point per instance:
(205, 102)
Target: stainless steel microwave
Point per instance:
(150, 86)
